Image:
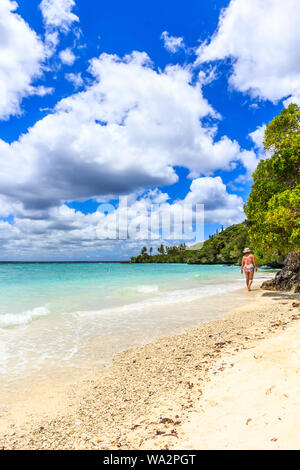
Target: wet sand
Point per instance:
(183, 391)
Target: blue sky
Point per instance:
(163, 101)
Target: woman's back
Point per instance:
(248, 260)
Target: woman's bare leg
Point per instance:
(247, 279)
(250, 279)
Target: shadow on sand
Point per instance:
(282, 295)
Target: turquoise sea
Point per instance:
(63, 320)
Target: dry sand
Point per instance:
(255, 403)
(231, 383)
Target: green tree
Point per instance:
(161, 249)
(273, 206)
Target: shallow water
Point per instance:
(66, 319)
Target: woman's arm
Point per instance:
(242, 265)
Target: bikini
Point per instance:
(249, 268)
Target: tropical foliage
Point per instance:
(273, 207)
(224, 247)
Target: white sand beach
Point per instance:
(254, 404)
(228, 384)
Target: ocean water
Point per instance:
(63, 320)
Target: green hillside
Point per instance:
(224, 247)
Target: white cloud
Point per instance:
(257, 136)
(5, 207)
(75, 78)
(262, 39)
(51, 42)
(67, 56)
(207, 76)
(58, 14)
(250, 159)
(219, 205)
(21, 57)
(62, 230)
(59, 18)
(172, 43)
(127, 131)
(43, 90)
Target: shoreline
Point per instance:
(184, 316)
(144, 399)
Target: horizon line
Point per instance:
(56, 262)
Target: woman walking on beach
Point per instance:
(248, 265)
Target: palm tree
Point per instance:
(161, 249)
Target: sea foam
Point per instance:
(161, 299)
(147, 289)
(16, 319)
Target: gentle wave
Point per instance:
(165, 298)
(16, 319)
(146, 289)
